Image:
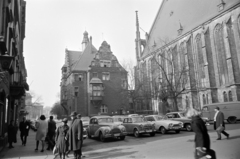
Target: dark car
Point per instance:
(85, 121)
(103, 127)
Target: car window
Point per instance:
(149, 118)
(125, 120)
(169, 116)
(175, 116)
(158, 117)
(129, 120)
(205, 109)
(105, 120)
(85, 119)
(92, 121)
(138, 119)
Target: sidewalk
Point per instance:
(177, 148)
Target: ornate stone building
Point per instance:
(206, 37)
(12, 66)
(93, 82)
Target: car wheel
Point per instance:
(101, 137)
(177, 131)
(188, 127)
(122, 137)
(163, 130)
(136, 133)
(232, 120)
(152, 134)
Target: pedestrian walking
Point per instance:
(11, 134)
(62, 139)
(219, 124)
(202, 140)
(42, 128)
(24, 129)
(51, 133)
(75, 136)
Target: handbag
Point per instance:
(55, 150)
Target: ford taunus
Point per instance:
(180, 116)
(163, 125)
(138, 125)
(103, 127)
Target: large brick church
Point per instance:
(204, 36)
(93, 82)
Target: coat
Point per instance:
(24, 128)
(51, 127)
(75, 135)
(219, 120)
(12, 134)
(201, 133)
(42, 128)
(61, 142)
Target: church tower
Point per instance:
(85, 40)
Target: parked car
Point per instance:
(85, 121)
(231, 111)
(163, 125)
(180, 116)
(118, 119)
(103, 127)
(138, 125)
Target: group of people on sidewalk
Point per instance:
(202, 140)
(62, 139)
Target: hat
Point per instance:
(217, 108)
(73, 114)
(65, 120)
(79, 115)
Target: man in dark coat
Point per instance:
(24, 127)
(51, 133)
(75, 136)
(219, 124)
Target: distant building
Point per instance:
(34, 110)
(204, 36)
(93, 82)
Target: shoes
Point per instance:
(48, 148)
(36, 149)
(218, 138)
(10, 147)
(228, 136)
(42, 150)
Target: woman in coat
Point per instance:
(61, 139)
(202, 140)
(42, 127)
(11, 134)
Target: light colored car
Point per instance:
(103, 127)
(118, 119)
(137, 125)
(85, 121)
(163, 125)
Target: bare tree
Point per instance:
(169, 75)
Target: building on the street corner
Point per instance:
(203, 36)
(93, 82)
(12, 66)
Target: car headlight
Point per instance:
(123, 129)
(181, 124)
(170, 125)
(141, 126)
(106, 131)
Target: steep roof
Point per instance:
(187, 13)
(72, 57)
(85, 59)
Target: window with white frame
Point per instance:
(97, 90)
(80, 77)
(106, 76)
(104, 109)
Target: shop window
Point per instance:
(230, 96)
(225, 98)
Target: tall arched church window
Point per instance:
(225, 98)
(230, 96)
(239, 24)
(221, 54)
(175, 61)
(200, 62)
(207, 98)
(182, 56)
(187, 102)
(149, 69)
(204, 99)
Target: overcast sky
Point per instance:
(54, 25)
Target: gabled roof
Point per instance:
(72, 57)
(189, 14)
(84, 60)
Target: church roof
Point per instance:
(188, 14)
(84, 60)
(72, 57)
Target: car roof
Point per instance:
(101, 116)
(174, 112)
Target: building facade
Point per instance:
(12, 66)
(205, 37)
(93, 82)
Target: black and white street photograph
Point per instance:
(119, 79)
